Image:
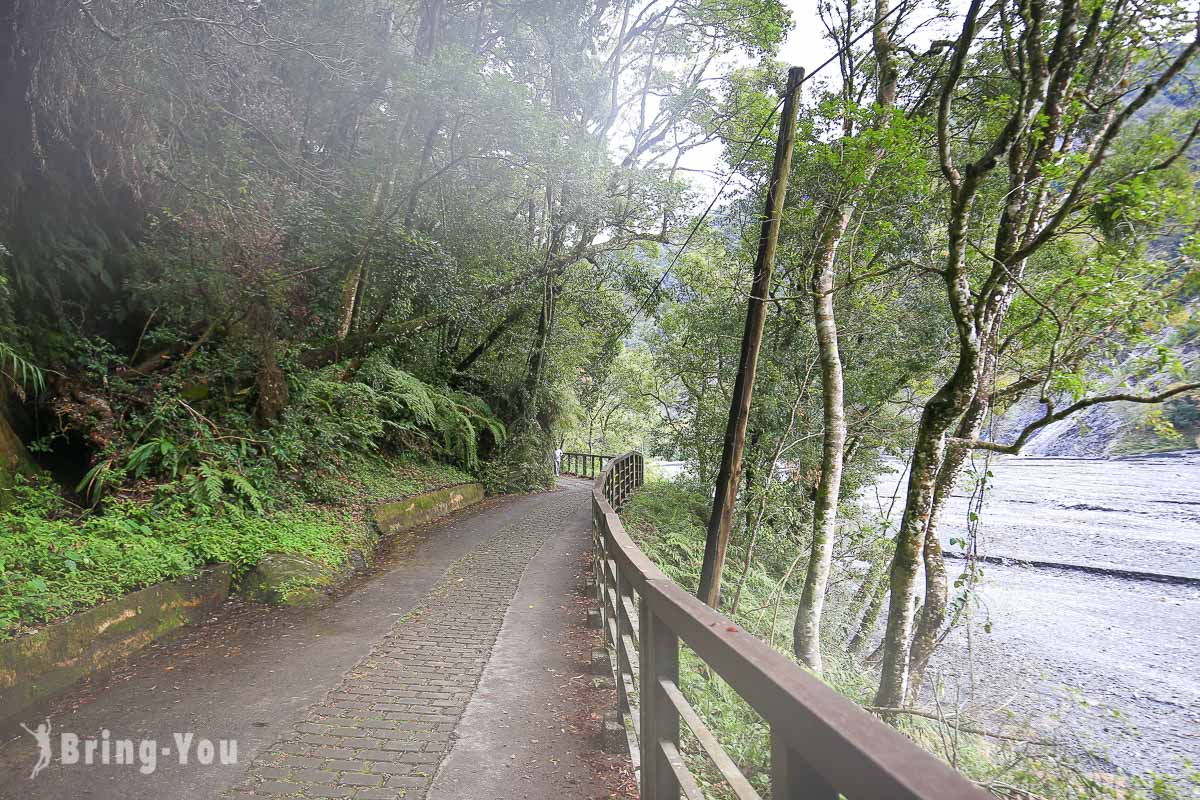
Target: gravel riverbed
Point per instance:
(1108, 665)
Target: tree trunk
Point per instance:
(348, 302)
(933, 611)
(272, 383)
(939, 414)
(807, 629)
(515, 314)
(414, 193)
(537, 355)
(866, 625)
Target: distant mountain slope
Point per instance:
(1113, 429)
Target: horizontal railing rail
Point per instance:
(822, 744)
(585, 465)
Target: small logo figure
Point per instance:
(42, 734)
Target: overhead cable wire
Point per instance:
(734, 171)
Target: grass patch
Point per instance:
(373, 479)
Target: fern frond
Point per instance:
(212, 483)
(245, 490)
(21, 371)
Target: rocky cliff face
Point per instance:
(1095, 433)
(1110, 429)
(13, 456)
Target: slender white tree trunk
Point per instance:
(807, 631)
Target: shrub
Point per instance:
(522, 466)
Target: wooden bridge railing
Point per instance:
(822, 744)
(585, 465)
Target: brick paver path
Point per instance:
(383, 732)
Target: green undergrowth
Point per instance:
(667, 520)
(56, 558)
(375, 479)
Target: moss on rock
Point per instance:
(413, 511)
(286, 579)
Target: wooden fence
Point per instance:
(823, 746)
(585, 465)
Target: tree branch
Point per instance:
(1033, 427)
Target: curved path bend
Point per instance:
(457, 670)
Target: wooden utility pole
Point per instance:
(721, 520)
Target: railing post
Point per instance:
(608, 588)
(791, 776)
(660, 719)
(624, 627)
(599, 555)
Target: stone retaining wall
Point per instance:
(419, 509)
(38, 666)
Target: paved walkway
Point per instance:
(426, 680)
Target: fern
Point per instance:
(245, 490)
(206, 485)
(453, 421)
(20, 371)
(212, 486)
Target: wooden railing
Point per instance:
(822, 744)
(585, 465)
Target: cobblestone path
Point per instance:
(383, 732)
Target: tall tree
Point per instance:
(832, 223)
(1071, 88)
